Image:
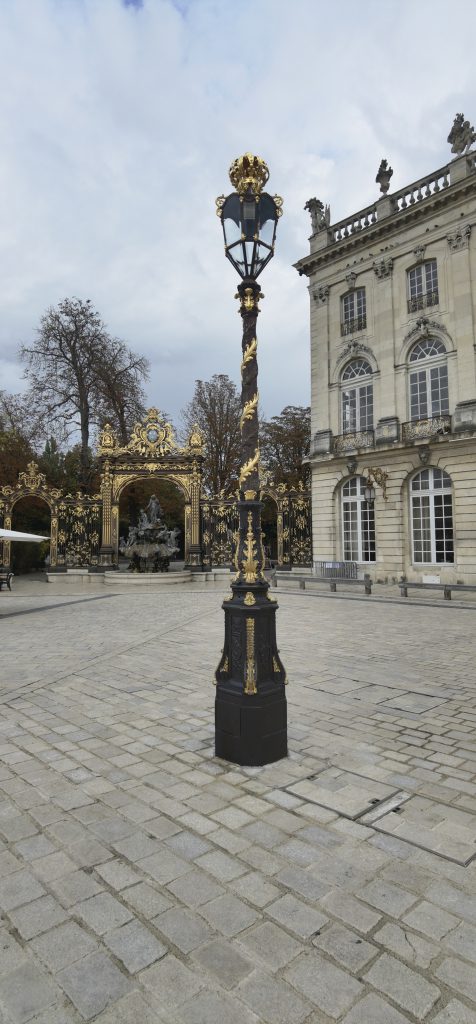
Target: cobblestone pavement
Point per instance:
(144, 882)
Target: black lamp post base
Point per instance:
(252, 731)
(250, 703)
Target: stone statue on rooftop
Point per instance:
(384, 174)
(320, 214)
(462, 135)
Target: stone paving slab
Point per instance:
(143, 881)
(343, 792)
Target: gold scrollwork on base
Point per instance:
(250, 672)
(249, 598)
(249, 564)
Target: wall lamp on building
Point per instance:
(250, 704)
(378, 476)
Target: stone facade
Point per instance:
(393, 307)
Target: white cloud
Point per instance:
(118, 125)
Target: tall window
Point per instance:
(358, 522)
(422, 286)
(432, 516)
(428, 380)
(357, 397)
(353, 311)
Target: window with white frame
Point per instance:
(432, 517)
(428, 378)
(357, 397)
(353, 311)
(422, 282)
(358, 522)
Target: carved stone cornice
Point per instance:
(382, 231)
(321, 294)
(383, 267)
(460, 238)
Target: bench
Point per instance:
(331, 580)
(405, 586)
(6, 579)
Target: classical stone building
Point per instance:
(393, 308)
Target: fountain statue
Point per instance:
(150, 545)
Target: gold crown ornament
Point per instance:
(249, 173)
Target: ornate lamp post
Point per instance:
(250, 706)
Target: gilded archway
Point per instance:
(30, 484)
(151, 454)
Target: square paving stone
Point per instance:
(347, 794)
(195, 888)
(146, 900)
(255, 888)
(409, 990)
(11, 953)
(348, 948)
(26, 991)
(102, 913)
(19, 888)
(443, 830)
(387, 897)
(463, 941)
(135, 945)
(38, 916)
(63, 945)
(431, 920)
(117, 874)
(224, 962)
(455, 1013)
(273, 1000)
(228, 915)
(459, 976)
(73, 888)
(373, 1010)
(296, 916)
(184, 929)
(407, 945)
(164, 866)
(92, 983)
(171, 982)
(221, 866)
(331, 989)
(271, 945)
(187, 845)
(35, 846)
(215, 1008)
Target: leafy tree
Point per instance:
(216, 407)
(285, 442)
(73, 378)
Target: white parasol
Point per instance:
(15, 535)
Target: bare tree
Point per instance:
(120, 396)
(73, 377)
(216, 407)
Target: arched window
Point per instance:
(428, 378)
(432, 516)
(357, 397)
(358, 522)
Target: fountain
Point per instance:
(150, 545)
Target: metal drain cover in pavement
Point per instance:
(445, 831)
(343, 792)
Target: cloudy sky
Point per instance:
(119, 121)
